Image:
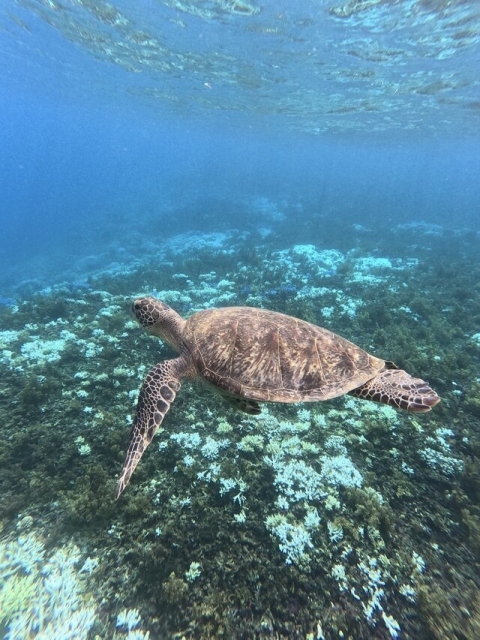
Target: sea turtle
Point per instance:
(253, 355)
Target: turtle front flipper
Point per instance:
(156, 395)
(399, 389)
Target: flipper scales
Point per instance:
(156, 395)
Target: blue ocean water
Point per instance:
(103, 139)
(319, 158)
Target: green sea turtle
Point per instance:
(253, 355)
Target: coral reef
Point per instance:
(341, 518)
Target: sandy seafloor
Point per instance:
(336, 519)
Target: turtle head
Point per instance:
(160, 320)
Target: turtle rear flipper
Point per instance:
(399, 389)
(243, 404)
(156, 395)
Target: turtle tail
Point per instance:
(399, 389)
(156, 395)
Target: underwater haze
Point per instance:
(320, 159)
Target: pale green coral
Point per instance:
(42, 598)
(251, 443)
(15, 596)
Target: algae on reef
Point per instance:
(341, 516)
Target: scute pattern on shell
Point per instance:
(267, 356)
